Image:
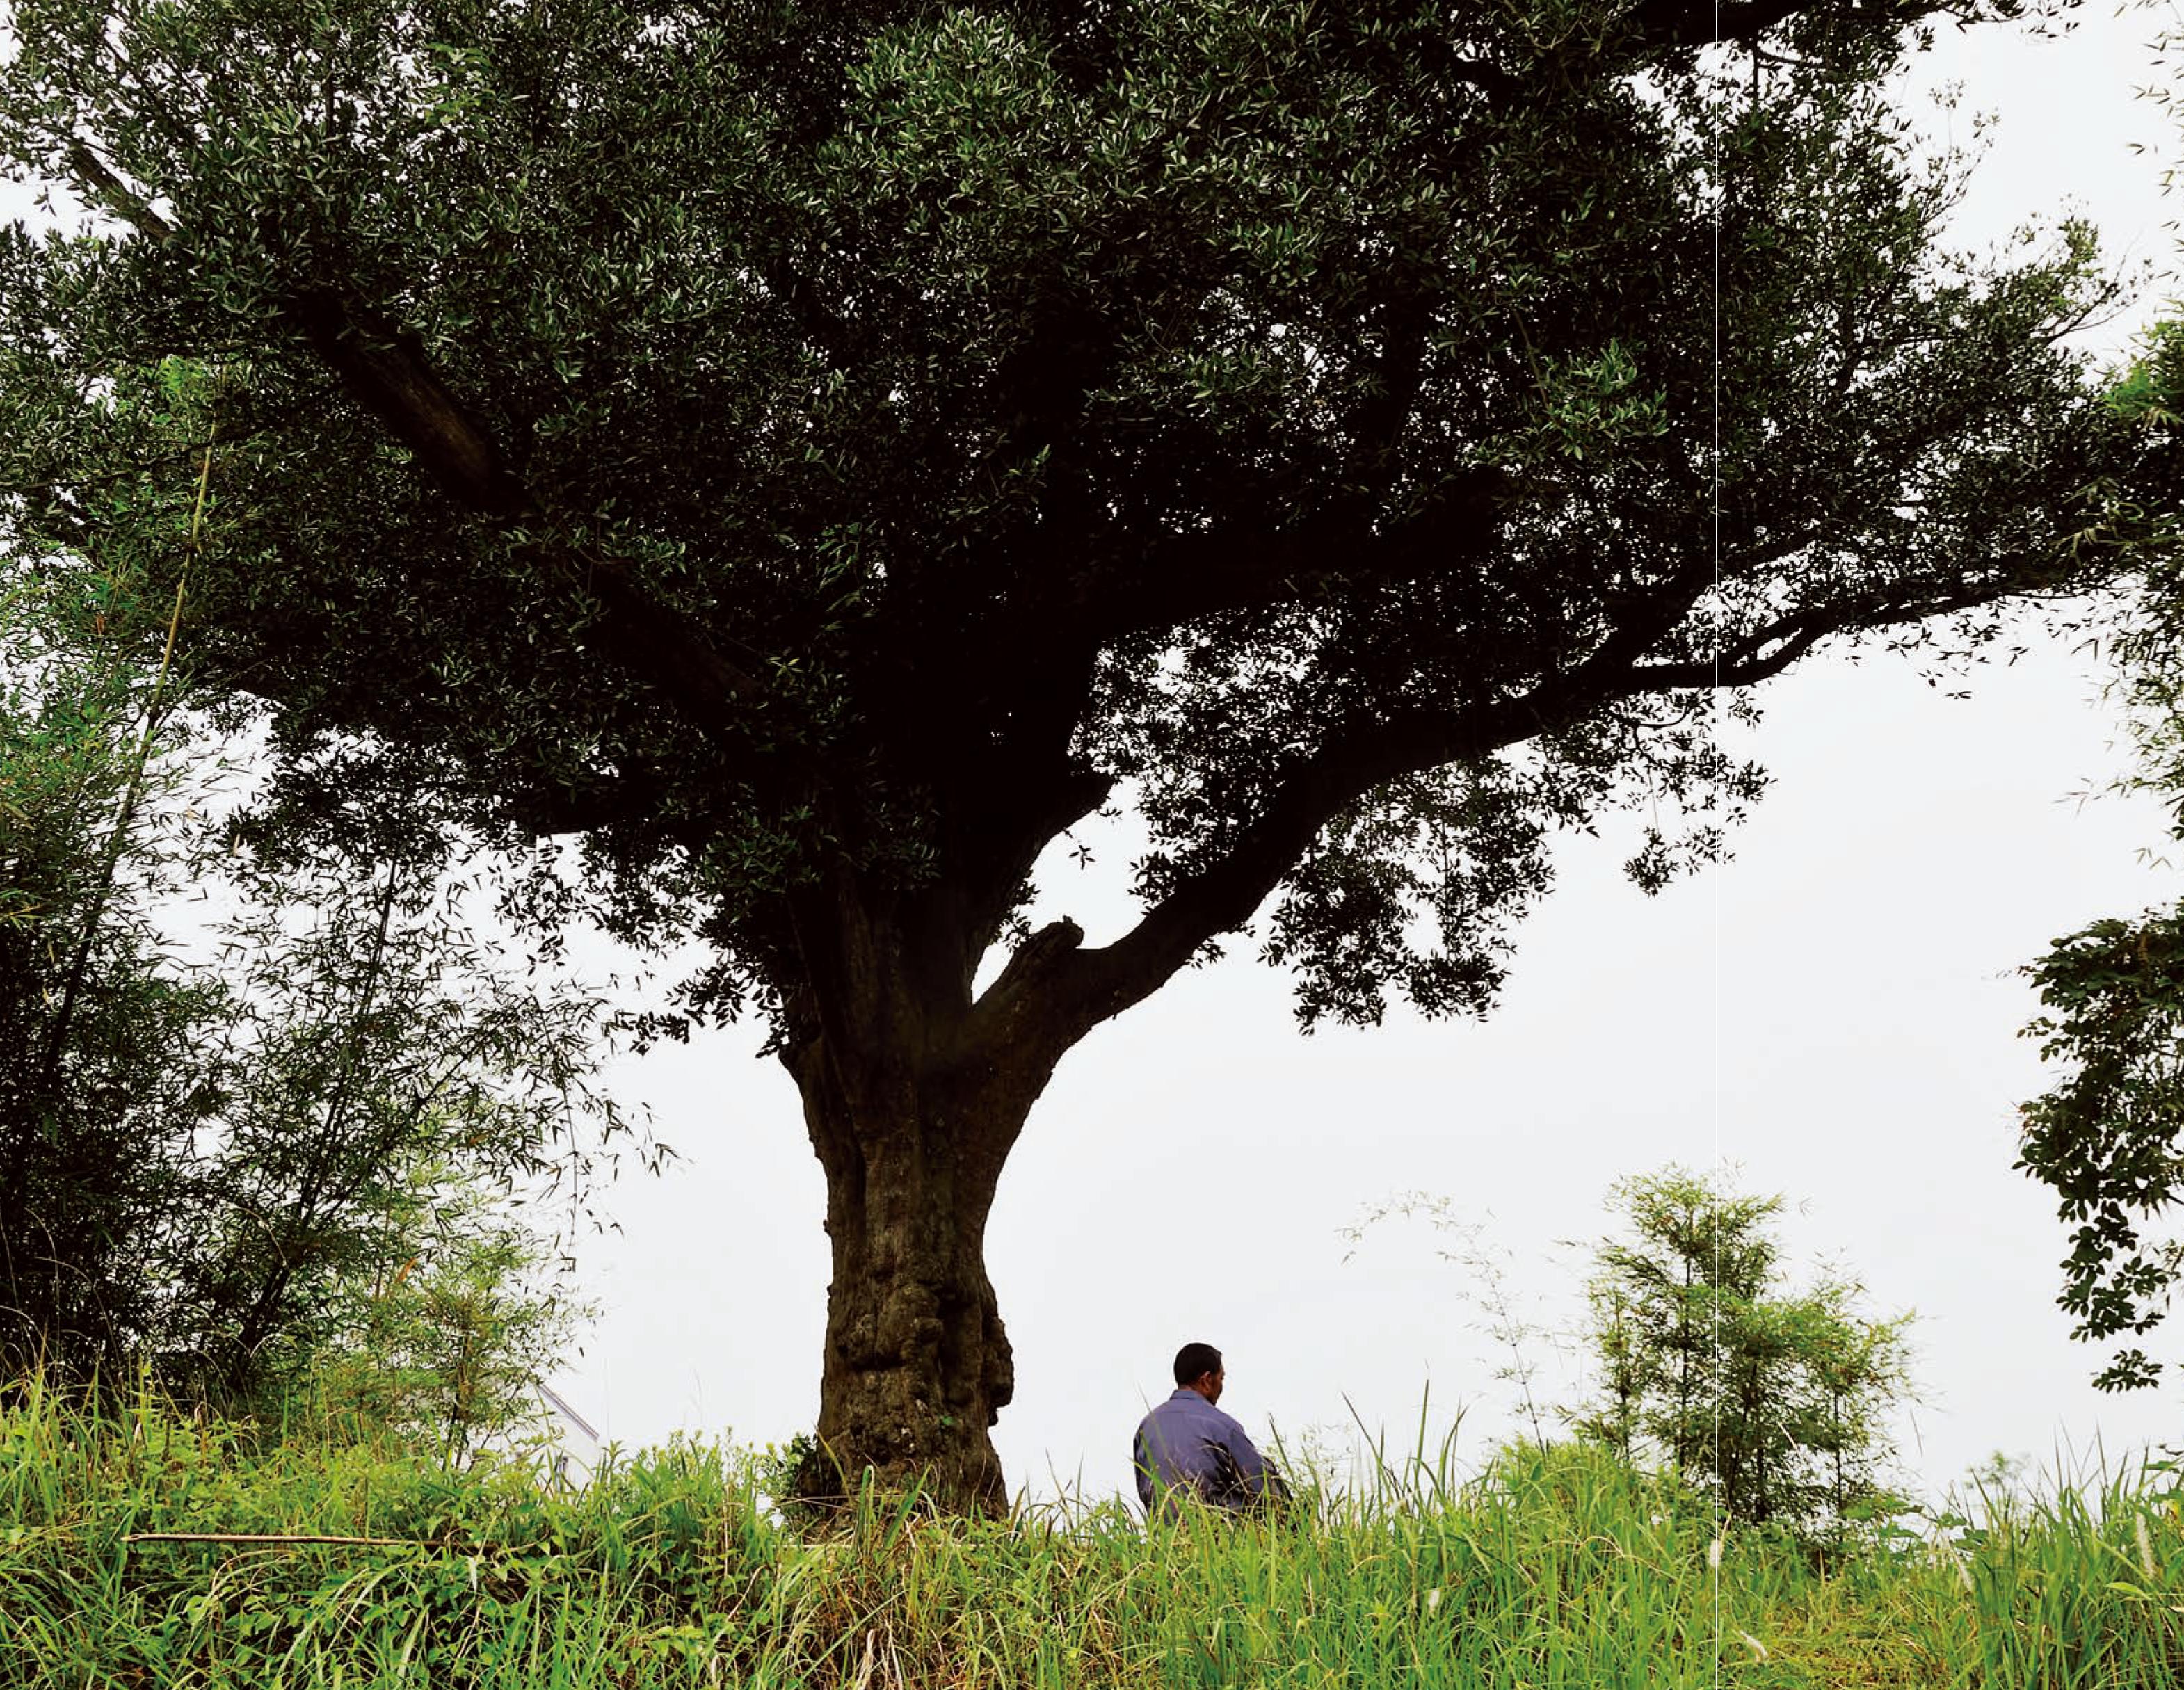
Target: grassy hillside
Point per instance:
(1553, 1569)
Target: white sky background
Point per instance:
(1836, 1011)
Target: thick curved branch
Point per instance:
(386, 372)
(1186, 576)
(1086, 987)
(1092, 985)
(108, 190)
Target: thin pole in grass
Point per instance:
(1713, 727)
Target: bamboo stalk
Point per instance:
(135, 790)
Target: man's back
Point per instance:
(1187, 1447)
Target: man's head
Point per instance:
(1198, 1368)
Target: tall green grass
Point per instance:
(1554, 1568)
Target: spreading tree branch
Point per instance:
(1750, 662)
(1090, 986)
(1182, 577)
(386, 372)
(107, 189)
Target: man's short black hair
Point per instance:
(1195, 1361)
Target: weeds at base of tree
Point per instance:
(672, 1567)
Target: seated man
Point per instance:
(1186, 1447)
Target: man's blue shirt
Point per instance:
(1186, 1445)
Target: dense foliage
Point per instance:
(2108, 1136)
(915, 402)
(101, 1088)
(1773, 1400)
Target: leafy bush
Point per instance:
(245, 1150)
(1772, 1400)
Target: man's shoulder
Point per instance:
(1190, 1410)
(1185, 1407)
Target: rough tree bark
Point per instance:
(913, 1097)
(918, 1366)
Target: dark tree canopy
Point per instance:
(817, 454)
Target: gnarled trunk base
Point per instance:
(917, 1365)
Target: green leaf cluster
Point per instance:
(2105, 1136)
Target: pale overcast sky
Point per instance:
(1835, 1011)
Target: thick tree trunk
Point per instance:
(912, 1117)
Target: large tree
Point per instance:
(817, 454)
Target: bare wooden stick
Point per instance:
(276, 1537)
